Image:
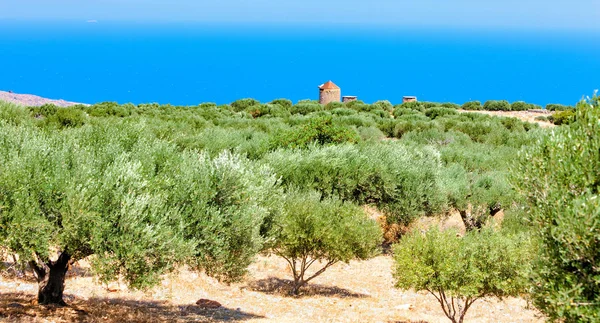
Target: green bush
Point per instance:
(458, 271)
(472, 106)
(309, 229)
(413, 105)
(402, 181)
(68, 118)
(243, 104)
(305, 108)
(563, 117)
(558, 175)
(401, 111)
(449, 105)
(13, 114)
(493, 105)
(403, 127)
(335, 105)
(321, 131)
(284, 103)
(521, 106)
(44, 111)
(383, 105)
(343, 112)
(434, 113)
(106, 109)
(558, 107)
(370, 134)
(271, 110)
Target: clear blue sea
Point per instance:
(186, 64)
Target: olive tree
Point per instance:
(559, 178)
(311, 231)
(458, 271)
(135, 205)
(477, 196)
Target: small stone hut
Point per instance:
(409, 99)
(329, 92)
(349, 98)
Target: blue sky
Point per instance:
(530, 14)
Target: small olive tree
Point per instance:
(560, 180)
(458, 271)
(309, 231)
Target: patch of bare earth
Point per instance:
(528, 116)
(355, 292)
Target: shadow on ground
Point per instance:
(20, 307)
(277, 286)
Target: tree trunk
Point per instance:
(51, 280)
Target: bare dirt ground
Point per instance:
(32, 100)
(528, 116)
(355, 292)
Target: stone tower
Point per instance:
(329, 92)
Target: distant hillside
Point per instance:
(32, 100)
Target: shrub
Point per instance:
(401, 111)
(458, 271)
(563, 117)
(412, 105)
(343, 112)
(106, 109)
(43, 111)
(405, 126)
(321, 131)
(558, 107)
(472, 106)
(449, 105)
(521, 106)
(543, 118)
(493, 105)
(272, 110)
(309, 229)
(68, 118)
(558, 176)
(355, 105)
(383, 105)
(13, 114)
(402, 181)
(335, 105)
(387, 127)
(370, 134)
(433, 113)
(284, 103)
(306, 108)
(243, 104)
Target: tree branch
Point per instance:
(322, 270)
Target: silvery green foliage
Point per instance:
(401, 180)
(137, 205)
(458, 271)
(313, 233)
(559, 178)
(223, 204)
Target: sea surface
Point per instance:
(187, 63)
